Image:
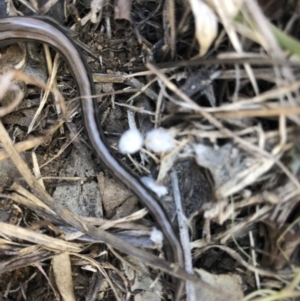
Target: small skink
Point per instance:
(44, 30)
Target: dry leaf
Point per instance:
(96, 10)
(222, 282)
(145, 287)
(230, 7)
(206, 24)
(117, 201)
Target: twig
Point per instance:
(184, 236)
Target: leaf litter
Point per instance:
(222, 77)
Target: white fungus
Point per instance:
(160, 190)
(157, 237)
(130, 142)
(159, 140)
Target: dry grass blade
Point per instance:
(33, 81)
(24, 146)
(239, 258)
(7, 85)
(28, 198)
(56, 93)
(135, 216)
(37, 238)
(24, 260)
(62, 272)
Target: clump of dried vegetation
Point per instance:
(222, 78)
